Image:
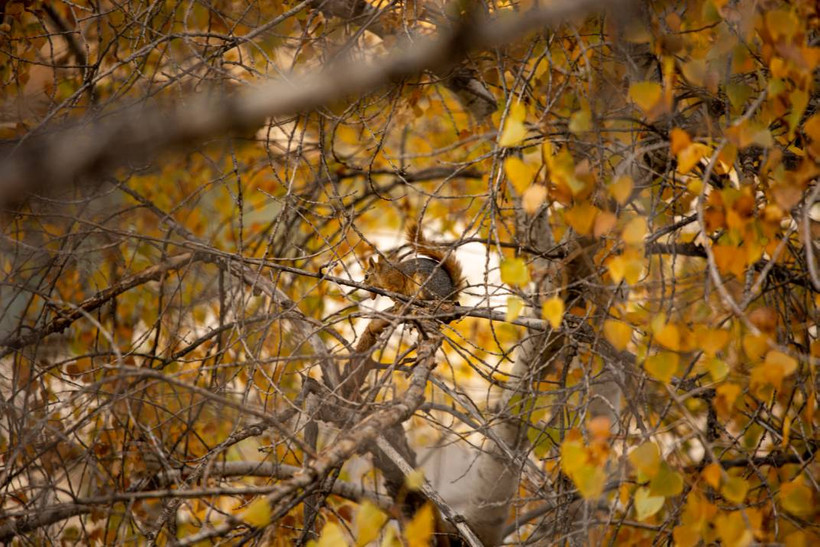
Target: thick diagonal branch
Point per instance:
(56, 160)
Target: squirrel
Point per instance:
(436, 275)
(433, 276)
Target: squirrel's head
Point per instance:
(371, 274)
(375, 274)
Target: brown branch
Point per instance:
(137, 135)
(683, 249)
(350, 443)
(775, 459)
(69, 315)
(26, 521)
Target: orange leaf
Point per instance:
(711, 474)
(581, 217)
(533, 198)
(755, 345)
(678, 140)
(604, 222)
(730, 259)
(709, 340)
(599, 428)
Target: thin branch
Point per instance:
(67, 317)
(352, 442)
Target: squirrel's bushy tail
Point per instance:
(447, 259)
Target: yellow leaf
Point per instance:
(520, 174)
(547, 153)
(533, 198)
(391, 538)
(645, 94)
(711, 474)
(414, 480)
(755, 345)
(419, 530)
(621, 188)
(782, 24)
(514, 129)
(627, 267)
(580, 121)
(686, 536)
(617, 333)
(514, 271)
(695, 71)
(634, 231)
(646, 504)
(590, 480)
(581, 217)
(689, 157)
(646, 458)
(553, 311)
(514, 307)
(732, 529)
(772, 371)
(718, 369)
(332, 536)
(369, 522)
(750, 133)
(257, 514)
(666, 483)
(796, 498)
(668, 336)
(662, 366)
(734, 489)
(573, 455)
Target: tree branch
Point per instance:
(56, 160)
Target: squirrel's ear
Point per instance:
(371, 262)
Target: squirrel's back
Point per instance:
(431, 277)
(439, 262)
